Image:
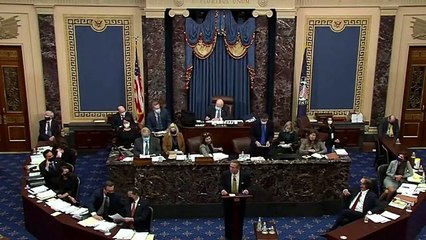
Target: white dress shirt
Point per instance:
(360, 205)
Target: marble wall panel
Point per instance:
(50, 64)
(381, 78)
(154, 59)
(258, 92)
(180, 94)
(284, 68)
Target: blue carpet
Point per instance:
(92, 170)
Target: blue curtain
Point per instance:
(220, 61)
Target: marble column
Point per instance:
(381, 77)
(154, 59)
(284, 69)
(180, 94)
(50, 64)
(258, 91)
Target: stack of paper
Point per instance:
(421, 187)
(158, 159)
(257, 159)
(341, 152)
(124, 234)
(57, 204)
(193, 156)
(80, 211)
(89, 222)
(36, 159)
(416, 178)
(219, 156)
(46, 195)
(70, 209)
(140, 236)
(317, 155)
(407, 188)
(376, 218)
(397, 203)
(390, 215)
(39, 189)
(105, 226)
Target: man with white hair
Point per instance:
(117, 119)
(218, 112)
(389, 127)
(49, 127)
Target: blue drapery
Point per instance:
(220, 57)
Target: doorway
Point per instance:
(14, 127)
(413, 132)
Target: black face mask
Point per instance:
(47, 118)
(109, 194)
(173, 132)
(131, 199)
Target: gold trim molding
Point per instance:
(98, 23)
(338, 24)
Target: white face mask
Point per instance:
(329, 122)
(263, 122)
(126, 125)
(157, 110)
(218, 108)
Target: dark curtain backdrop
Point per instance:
(220, 56)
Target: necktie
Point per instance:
(103, 207)
(159, 123)
(146, 152)
(234, 188)
(133, 208)
(263, 135)
(106, 206)
(49, 130)
(356, 201)
(390, 130)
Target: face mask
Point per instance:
(263, 122)
(218, 108)
(329, 122)
(157, 110)
(173, 132)
(123, 114)
(109, 194)
(47, 118)
(400, 159)
(130, 199)
(126, 125)
(146, 138)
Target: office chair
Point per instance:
(241, 144)
(227, 101)
(193, 144)
(151, 216)
(305, 126)
(381, 174)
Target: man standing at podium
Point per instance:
(235, 182)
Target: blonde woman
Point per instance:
(173, 139)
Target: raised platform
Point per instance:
(280, 187)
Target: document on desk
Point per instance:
(376, 218)
(407, 188)
(46, 195)
(140, 236)
(220, 156)
(397, 203)
(124, 234)
(36, 159)
(390, 215)
(317, 155)
(341, 152)
(39, 189)
(89, 222)
(104, 226)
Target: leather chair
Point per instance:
(381, 174)
(227, 101)
(305, 126)
(241, 144)
(193, 144)
(151, 218)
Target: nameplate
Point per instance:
(204, 160)
(137, 162)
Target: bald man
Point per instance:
(147, 144)
(389, 127)
(117, 119)
(218, 112)
(49, 127)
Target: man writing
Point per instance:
(104, 202)
(236, 182)
(218, 112)
(146, 145)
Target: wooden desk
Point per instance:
(351, 135)
(406, 227)
(392, 147)
(221, 135)
(261, 236)
(89, 136)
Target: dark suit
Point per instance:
(371, 203)
(142, 216)
(256, 134)
(51, 175)
(383, 128)
(116, 121)
(154, 146)
(68, 156)
(55, 128)
(226, 184)
(329, 142)
(151, 120)
(224, 113)
(116, 204)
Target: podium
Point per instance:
(234, 207)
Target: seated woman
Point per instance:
(67, 185)
(207, 147)
(127, 134)
(288, 137)
(398, 171)
(62, 151)
(173, 139)
(312, 145)
(331, 139)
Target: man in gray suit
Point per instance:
(147, 144)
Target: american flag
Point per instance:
(138, 93)
(303, 89)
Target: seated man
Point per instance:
(138, 214)
(146, 145)
(389, 127)
(117, 118)
(104, 202)
(49, 127)
(358, 203)
(218, 112)
(50, 169)
(262, 133)
(158, 119)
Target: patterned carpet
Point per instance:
(92, 170)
